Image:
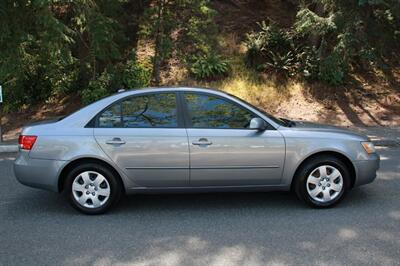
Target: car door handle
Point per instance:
(115, 141)
(202, 141)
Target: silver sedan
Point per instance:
(188, 140)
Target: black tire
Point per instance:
(300, 181)
(113, 182)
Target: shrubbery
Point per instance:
(326, 40)
(332, 70)
(283, 53)
(50, 48)
(269, 39)
(209, 67)
(130, 75)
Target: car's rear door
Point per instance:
(223, 150)
(145, 137)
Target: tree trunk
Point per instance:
(315, 39)
(156, 78)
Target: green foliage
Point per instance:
(277, 50)
(308, 60)
(307, 22)
(273, 36)
(98, 88)
(56, 47)
(34, 53)
(370, 2)
(255, 45)
(129, 75)
(270, 46)
(135, 75)
(198, 31)
(280, 63)
(332, 70)
(185, 28)
(328, 38)
(209, 67)
(52, 47)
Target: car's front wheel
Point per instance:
(322, 181)
(92, 188)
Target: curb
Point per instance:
(386, 143)
(8, 148)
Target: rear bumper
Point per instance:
(366, 170)
(37, 173)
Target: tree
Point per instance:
(50, 47)
(184, 26)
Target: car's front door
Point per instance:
(223, 150)
(145, 137)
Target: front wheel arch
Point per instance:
(337, 155)
(71, 165)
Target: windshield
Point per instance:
(279, 121)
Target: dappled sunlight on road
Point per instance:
(395, 215)
(344, 243)
(384, 158)
(347, 234)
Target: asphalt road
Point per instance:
(40, 228)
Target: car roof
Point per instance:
(167, 89)
(84, 115)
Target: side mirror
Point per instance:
(258, 124)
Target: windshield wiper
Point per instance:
(289, 123)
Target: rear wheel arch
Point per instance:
(338, 155)
(71, 165)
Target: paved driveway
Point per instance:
(39, 228)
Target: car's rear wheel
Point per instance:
(92, 188)
(322, 181)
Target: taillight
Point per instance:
(26, 142)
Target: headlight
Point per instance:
(368, 147)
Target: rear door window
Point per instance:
(142, 111)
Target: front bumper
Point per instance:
(37, 173)
(366, 170)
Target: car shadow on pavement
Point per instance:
(209, 201)
(39, 202)
(229, 201)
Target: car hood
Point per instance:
(315, 127)
(311, 125)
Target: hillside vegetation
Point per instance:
(322, 60)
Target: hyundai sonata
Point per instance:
(188, 140)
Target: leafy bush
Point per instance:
(307, 22)
(260, 44)
(209, 67)
(135, 75)
(123, 76)
(308, 60)
(255, 46)
(283, 53)
(331, 70)
(328, 38)
(97, 89)
(280, 63)
(179, 28)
